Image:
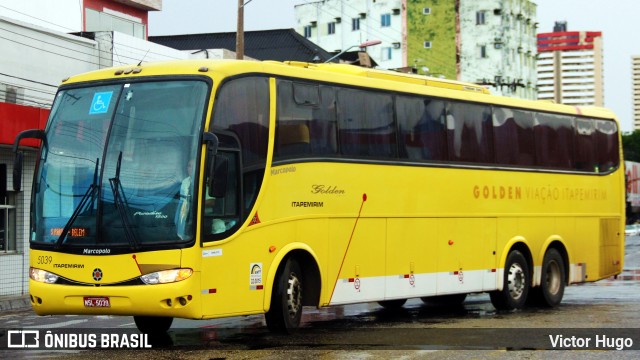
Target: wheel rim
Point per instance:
(516, 281)
(553, 277)
(294, 295)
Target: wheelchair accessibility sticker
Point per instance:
(100, 103)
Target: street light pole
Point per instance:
(240, 31)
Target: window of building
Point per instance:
(387, 53)
(427, 44)
(101, 21)
(480, 17)
(7, 215)
(331, 28)
(307, 31)
(482, 51)
(385, 20)
(355, 24)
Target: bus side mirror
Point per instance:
(17, 162)
(17, 171)
(211, 140)
(218, 175)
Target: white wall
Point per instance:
(36, 59)
(59, 15)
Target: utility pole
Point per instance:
(240, 31)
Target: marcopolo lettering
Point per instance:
(96, 251)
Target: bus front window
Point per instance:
(117, 170)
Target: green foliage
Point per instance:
(439, 28)
(631, 146)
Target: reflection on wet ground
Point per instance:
(251, 331)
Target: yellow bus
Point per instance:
(205, 189)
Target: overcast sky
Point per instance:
(619, 21)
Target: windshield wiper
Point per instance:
(122, 206)
(89, 194)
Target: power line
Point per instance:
(29, 99)
(33, 17)
(33, 81)
(50, 52)
(82, 52)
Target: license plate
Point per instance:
(101, 301)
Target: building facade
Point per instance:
(635, 68)
(125, 16)
(570, 67)
(490, 42)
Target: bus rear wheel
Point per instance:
(551, 289)
(153, 324)
(285, 311)
(516, 283)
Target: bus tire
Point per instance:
(285, 311)
(516, 284)
(392, 304)
(451, 300)
(552, 283)
(153, 324)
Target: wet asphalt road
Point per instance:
(609, 307)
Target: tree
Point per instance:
(631, 146)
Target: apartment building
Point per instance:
(570, 66)
(490, 42)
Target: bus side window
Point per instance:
(366, 124)
(607, 145)
(586, 158)
(469, 133)
(222, 213)
(513, 137)
(422, 129)
(292, 139)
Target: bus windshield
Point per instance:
(119, 166)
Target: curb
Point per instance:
(14, 303)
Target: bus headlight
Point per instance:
(42, 276)
(166, 276)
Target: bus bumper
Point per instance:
(180, 299)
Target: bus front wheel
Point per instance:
(286, 299)
(516, 283)
(153, 324)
